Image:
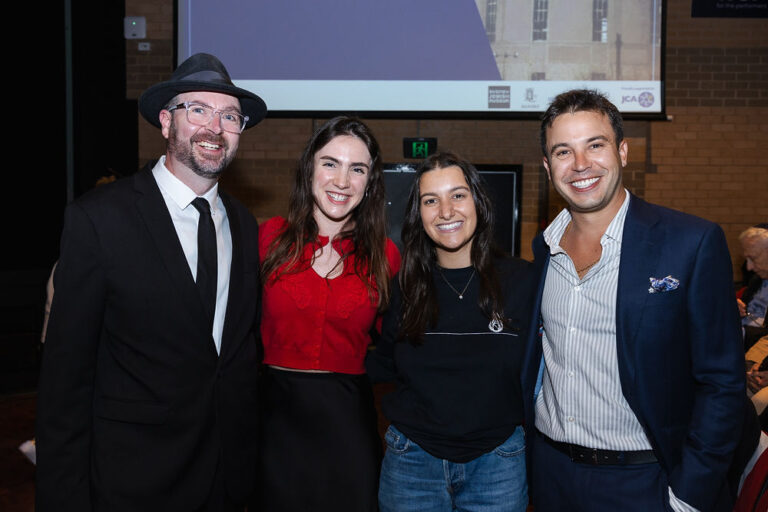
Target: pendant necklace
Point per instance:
(460, 294)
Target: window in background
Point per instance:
(490, 20)
(540, 8)
(600, 21)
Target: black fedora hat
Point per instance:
(200, 72)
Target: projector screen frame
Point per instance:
(505, 115)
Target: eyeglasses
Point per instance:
(200, 115)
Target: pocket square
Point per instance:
(663, 285)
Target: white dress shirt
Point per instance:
(178, 198)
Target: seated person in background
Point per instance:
(754, 300)
(756, 360)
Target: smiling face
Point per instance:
(448, 215)
(201, 150)
(339, 178)
(584, 163)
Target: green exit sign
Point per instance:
(420, 147)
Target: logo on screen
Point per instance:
(644, 99)
(529, 96)
(498, 96)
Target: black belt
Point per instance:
(596, 456)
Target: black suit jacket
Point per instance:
(135, 407)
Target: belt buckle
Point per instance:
(594, 456)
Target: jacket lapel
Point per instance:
(533, 371)
(153, 211)
(234, 302)
(640, 252)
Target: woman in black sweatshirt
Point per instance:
(453, 342)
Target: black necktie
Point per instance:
(206, 256)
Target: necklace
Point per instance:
(461, 295)
(582, 269)
(579, 271)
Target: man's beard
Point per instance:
(183, 151)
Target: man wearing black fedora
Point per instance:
(147, 394)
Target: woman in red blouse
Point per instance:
(326, 272)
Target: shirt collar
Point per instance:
(340, 245)
(177, 191)
(554, 232)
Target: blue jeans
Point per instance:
(413, 480)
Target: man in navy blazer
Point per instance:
(147, 396)
(635, 381)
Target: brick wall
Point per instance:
(706, 158)
(702, 160)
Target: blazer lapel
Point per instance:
(154, 213)
(640, 252)
(234, 302)
(533, 371)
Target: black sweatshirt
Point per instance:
(458, 394)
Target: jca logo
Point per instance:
(644, 99)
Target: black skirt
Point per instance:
(320, 447)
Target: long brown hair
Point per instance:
(366, 227)
(419, 309)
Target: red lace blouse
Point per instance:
(309, 322)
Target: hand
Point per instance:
(756, 380)
(742, 308)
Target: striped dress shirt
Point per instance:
(581, 401)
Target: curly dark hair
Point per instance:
(420, 309)
(366, 227)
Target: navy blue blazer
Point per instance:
(680, 355)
